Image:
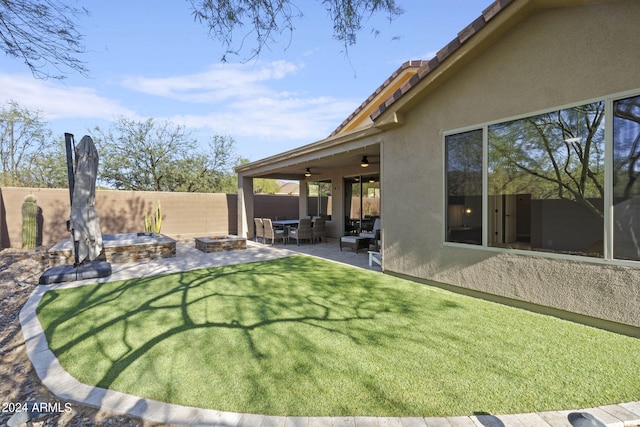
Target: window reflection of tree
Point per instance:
(626, 149)
(553, 155)
(464, 164)
(626, 187)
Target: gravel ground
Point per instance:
(19, 384)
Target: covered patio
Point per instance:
(340, 176)
(339, 181)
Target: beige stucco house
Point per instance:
(505, 167)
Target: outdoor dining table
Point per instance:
(286, 222)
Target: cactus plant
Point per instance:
(29, 224)
(158, 218)
(153, 222)
(147, 222)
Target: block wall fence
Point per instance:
(185, 215)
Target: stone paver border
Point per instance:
(63, 385)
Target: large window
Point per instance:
(546, 182)
(546, 185)
(319, 199)
(626, 186)
(464, 187)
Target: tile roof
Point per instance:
(415, 64)
(429, 66)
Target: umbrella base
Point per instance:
(69, 273)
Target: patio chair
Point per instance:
(272, 233)
(259, 228)
(375, 243)
(318, 230)
(377, 224)
(302, 232)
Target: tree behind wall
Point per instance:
(48, 169)
(22, 140)
(160, 156)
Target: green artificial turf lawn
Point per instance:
(303, 336)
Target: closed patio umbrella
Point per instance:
(83, 222)
(84, 219)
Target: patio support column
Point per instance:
(245, 206)
(302, 200)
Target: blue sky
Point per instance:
(150, 59)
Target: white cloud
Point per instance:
(298, 119)
(60, 102)
(220, 83)
(239, 100)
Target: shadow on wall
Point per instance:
(115, 218)
(54, 222)
(185, 215)
(39, 226)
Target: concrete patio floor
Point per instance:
(330, 250)
(59, 382)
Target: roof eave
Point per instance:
(307, 150)
(406, 67)
(494, 22)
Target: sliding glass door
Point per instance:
(362, 203)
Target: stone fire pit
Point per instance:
(221, 243)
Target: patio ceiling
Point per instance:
(321, 157)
